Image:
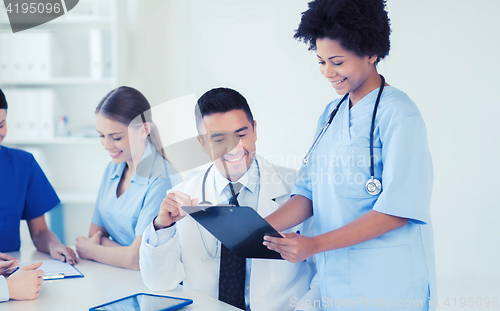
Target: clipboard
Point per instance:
(239, 228)
(55, 269)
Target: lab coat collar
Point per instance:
(274, 187)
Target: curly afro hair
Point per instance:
(361, 26)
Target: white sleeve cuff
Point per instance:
(4, 289)
(160, 237)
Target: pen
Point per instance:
(17, 268)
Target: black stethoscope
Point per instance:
(373, 186)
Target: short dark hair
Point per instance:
(3, 101)
(220, 100)
(361, 26)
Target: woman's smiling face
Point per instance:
(121, 141)
(346, 71)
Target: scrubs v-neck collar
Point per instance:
(356, 110)
(118, 172)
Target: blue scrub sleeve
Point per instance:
(407, 172)
(40, 196)
(96, 217)
(152, 202)
(302, 183)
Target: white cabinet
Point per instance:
(61, 70)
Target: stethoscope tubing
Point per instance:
(372, 165)
(372, 182)
(323, 131)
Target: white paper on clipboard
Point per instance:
(55, 269)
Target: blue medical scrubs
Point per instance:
(25, 193)
(396, 270)
(126, 217)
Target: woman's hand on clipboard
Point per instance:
(292, 246)
(171, 209)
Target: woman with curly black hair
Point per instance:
(367, 178)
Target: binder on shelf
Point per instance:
(107, 54)
(5, 51)
(95, 53)
(31, 114)
(26, 56)
(45, 124)
(14, 117)
(16, 56)
(42, 65)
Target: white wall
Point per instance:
(445, 55)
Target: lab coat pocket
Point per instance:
(282, 272)
(382, 278)
(353, 172)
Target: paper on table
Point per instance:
(55, 269)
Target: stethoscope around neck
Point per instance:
(204, 202)
(373, 186)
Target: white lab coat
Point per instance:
(4, 289)
(274, 284)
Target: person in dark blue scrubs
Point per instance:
(25, 193)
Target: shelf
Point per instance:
(59, 81)
(55, 141)
(80, 53)
(94, 21)
(90, 20)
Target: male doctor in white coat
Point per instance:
(175, 248)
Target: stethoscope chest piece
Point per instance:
(373, 186)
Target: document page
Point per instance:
(55, 269)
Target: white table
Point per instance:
(101, 283)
